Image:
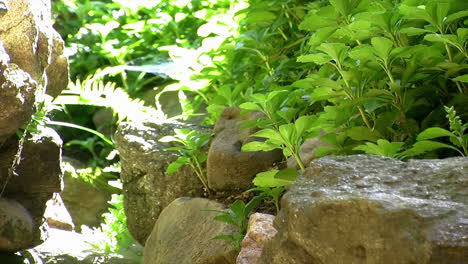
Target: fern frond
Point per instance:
(97, 92)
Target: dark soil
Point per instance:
(227, 198)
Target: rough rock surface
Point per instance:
(17, 96)
(228, 168)
(58, 70)
(260, 231)
(90, 212)
(147, 188)
(183, 234)
(29, 49)
(31, 61)
(56, 214)
(32, 43)
(369, 209)
(39, 175)
(16, 226)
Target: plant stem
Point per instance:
(199, 172)
(449, 53)
(361, 110)
(299, 161)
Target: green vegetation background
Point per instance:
(384, 77)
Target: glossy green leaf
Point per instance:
(362, 53)
(462, 78)
(362, 133)
(287, 174)
(304, 123)
(269, 133)
(258, 146)
(382, 47)
(315, 22)
(412, 31)
(174, 166)
(318, 58)
(250, 106)
(456, 16)
(382, 148)
(268, 179)
(434, 132)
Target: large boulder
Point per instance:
(369, 209)
(17, 96)
(38, 176)
(147, 188)
(32, 61)
(32, 43)
(184, 232)
(16, 226)
(229, 168)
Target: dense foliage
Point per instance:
(385, 77)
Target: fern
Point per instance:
(97, 92)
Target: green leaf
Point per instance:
(315, 22)
(268, 179)
(258, 146)
(362, 133)
(412, 31)
(174, 166)
(423, 146)
(382, 47)
(254, 202)
(318, 58)
(238, 208)
(383, 148)
(303, 124)
(362, 53)
(287, 174)
(441, 38)
(288, 133)
(321, 35)
(462, 78)
(250, 106)
(225, 218)
(271, 134)
(456, 15)
(337, 51)
(434, 132)
(462, 34)
(260, 17)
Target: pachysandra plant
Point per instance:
(191, 143)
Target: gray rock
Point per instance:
(28, 36)
(31, 58)
(16, 226)
(58, 71)
(90, 212)
(147, 188)
(17, 96)
(183, 235)
(369, 209)
(229, 168)
(39, 175)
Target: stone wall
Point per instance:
(31, 65)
